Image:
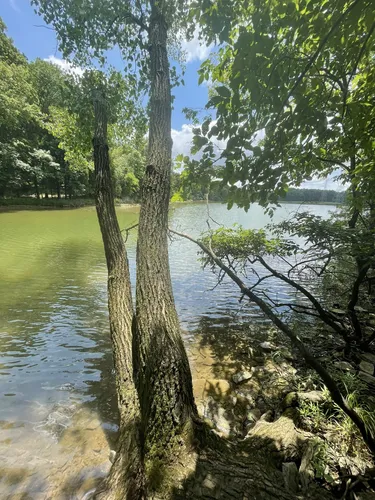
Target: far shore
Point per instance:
(7, 205)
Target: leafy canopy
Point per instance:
(293, 93)
(88, 30)
(8, 52)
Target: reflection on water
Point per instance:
(57, 404)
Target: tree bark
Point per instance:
(126, 476)
(66, 181)
(163, 374)
(36, 185)
(58, 189)
(355, 210)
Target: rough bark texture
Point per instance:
(36, 185)
(162, 368)
(126, 477)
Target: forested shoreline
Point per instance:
(290, 101)
(45, 152)
(306, 196)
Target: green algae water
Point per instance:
(58, 416)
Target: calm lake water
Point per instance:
(55, 354)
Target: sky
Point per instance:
(33, 39)
(30, 35)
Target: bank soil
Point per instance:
(255, 440)
(258, 402)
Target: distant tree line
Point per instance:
(44, 150)
(314, 195)
(184, 189)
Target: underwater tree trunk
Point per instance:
(162, 370)
(126, 476)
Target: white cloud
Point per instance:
(330, 182)
(183, 139)
(182, 142)
(207, 83)
(14, 5)
(196, 49)
(66, 66)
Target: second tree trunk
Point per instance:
(163, 374)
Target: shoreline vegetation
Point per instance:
(29, 203)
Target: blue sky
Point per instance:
(35, 41)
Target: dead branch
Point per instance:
(294, 338)
(127, 231)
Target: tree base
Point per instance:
(222, 469)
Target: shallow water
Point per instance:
(57, 404)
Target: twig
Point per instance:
(260, 281)
(44, 26)
(315, 56)
(209, 215)
(219, 281)
(127, 230)
(325, 315)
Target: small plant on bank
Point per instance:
(351, 442)
(327, 417)
(320, 462)
(314, 416)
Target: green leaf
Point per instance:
(223, 92)
(205, 126)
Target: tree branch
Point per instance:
(332, 161)
(306, 261)
(361, 52)
(333, 77)
(127, 230)
(293, 307)
(296, 341)
(139, 21)
(316, 55)
(324, 315)
(362, 273)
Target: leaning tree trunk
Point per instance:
(126, 476)
(162, 370)
(329, 382)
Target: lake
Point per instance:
(57, 402)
